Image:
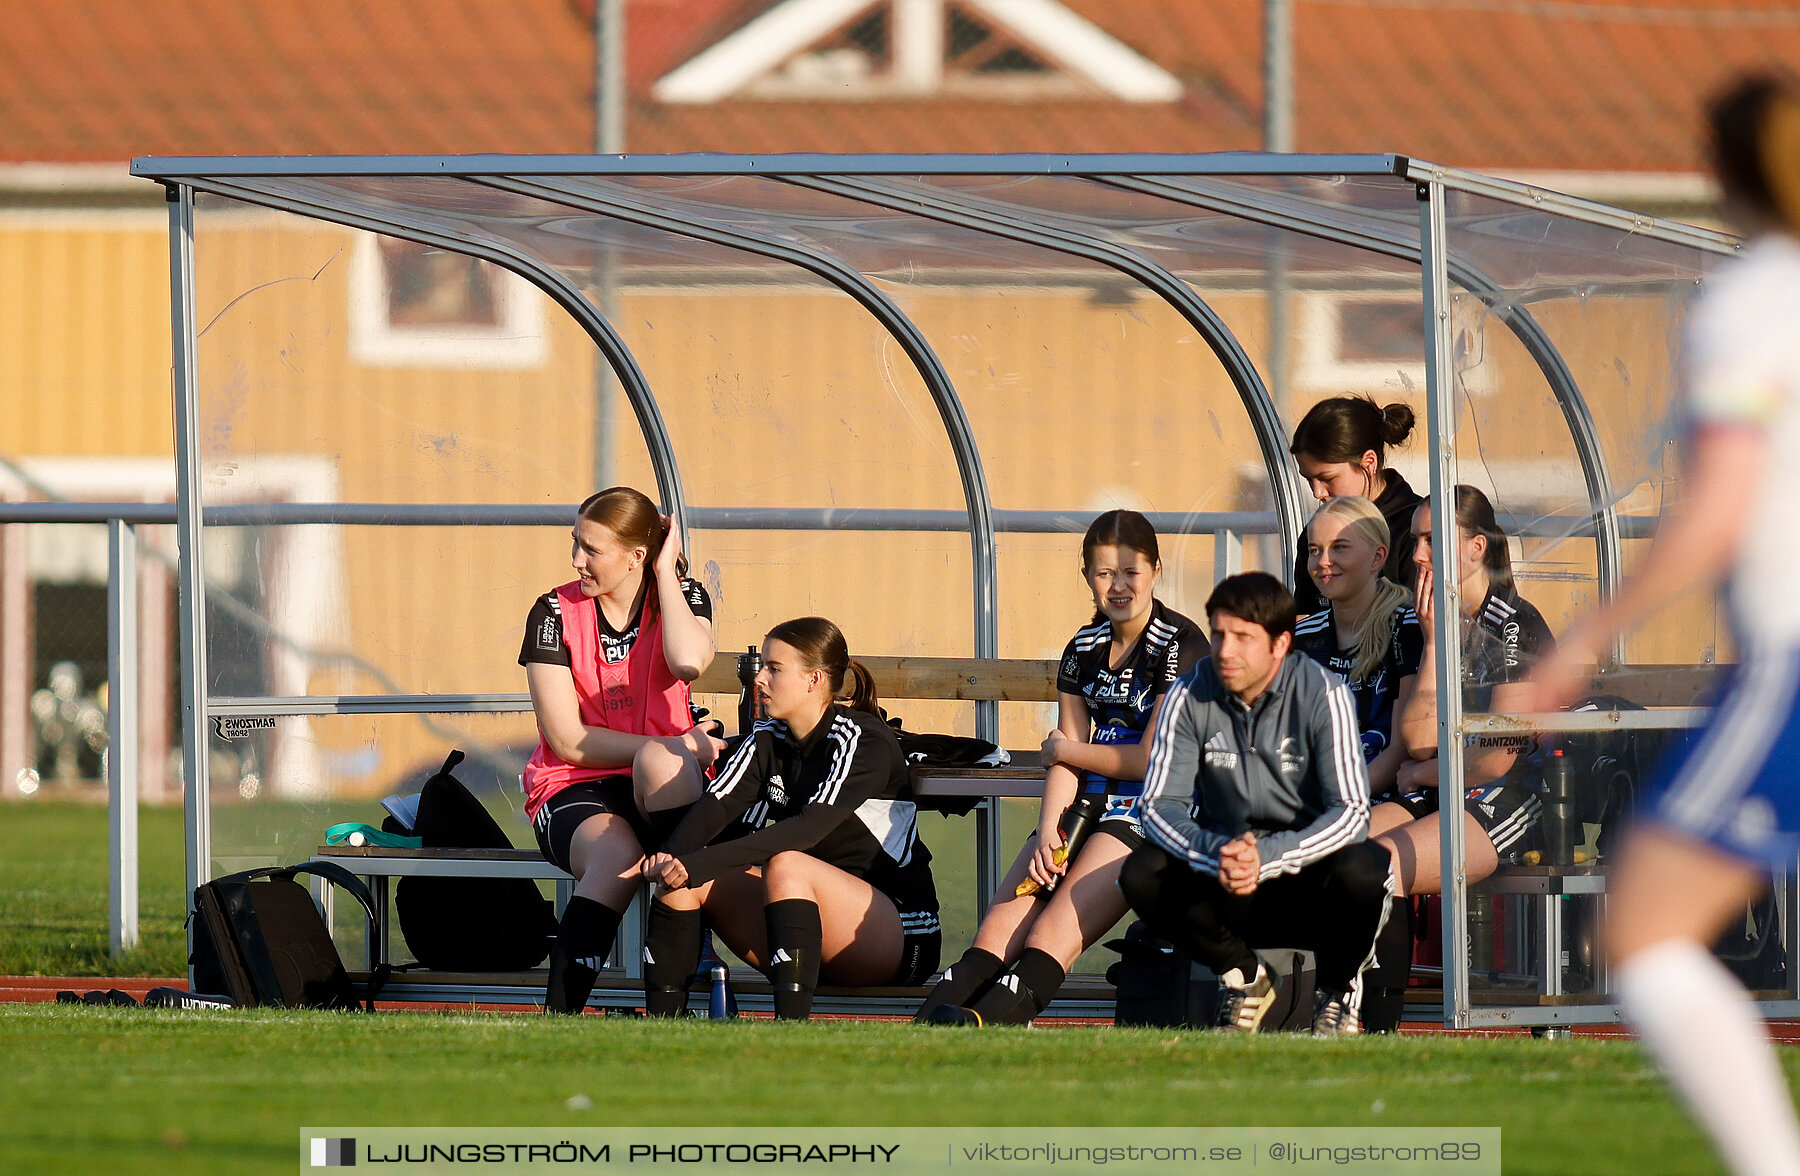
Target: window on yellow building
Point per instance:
(416, 305)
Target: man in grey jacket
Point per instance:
(1256, 814)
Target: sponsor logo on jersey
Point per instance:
(1289, 757)
(1141, 700)
(1110, 688)
(1071, 666)
(777, 790)
(549, 635)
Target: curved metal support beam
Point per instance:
(631, 377)
(1003, 220)
(886, 312)
(1317, 219)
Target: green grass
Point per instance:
(53, 880)
(103, 1090)
(100, 1090)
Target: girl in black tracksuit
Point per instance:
(832, 879)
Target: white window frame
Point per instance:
(519, 341)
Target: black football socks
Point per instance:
(1022, 992)
(962, 982)
(1384, 985)
(671, 954)
(796, 940)
(660, 823)
(583, 939)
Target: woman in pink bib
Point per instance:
(608, 658)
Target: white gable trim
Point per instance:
(1072, 43)
(1083, 48)
(755, 49)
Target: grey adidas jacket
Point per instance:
(1290, 768)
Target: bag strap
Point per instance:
(450, 761)
(380, 969)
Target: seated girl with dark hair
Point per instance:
(1503, 636)
(1112, 677)
(833, 880)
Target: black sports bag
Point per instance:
(469, 924)
(258, 937)
(1158, 985)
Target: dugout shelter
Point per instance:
(892, 390)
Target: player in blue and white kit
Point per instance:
(1503, 637)
(1111, 679)
(1368, 635)
(1730, 813)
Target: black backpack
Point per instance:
(258, 937)
(469, 924)
(1158, 985)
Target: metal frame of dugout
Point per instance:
(1309, 197)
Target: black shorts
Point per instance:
(564, 812)
(1507, 812)
(1123, 820)
(921, 946)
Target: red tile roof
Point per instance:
(1494, 84)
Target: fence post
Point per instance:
(1228, 554)
(122, 734)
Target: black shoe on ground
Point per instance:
(953, 1015)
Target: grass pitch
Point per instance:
(53, 881)
(94, 1090)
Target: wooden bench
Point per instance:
(896, 679)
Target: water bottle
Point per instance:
(1559, 812)
(749, 710)
(1078, 820)
(723, 1005)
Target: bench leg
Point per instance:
(990, 855)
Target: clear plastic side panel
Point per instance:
(1566, 346)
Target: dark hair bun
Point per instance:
(1397, 421)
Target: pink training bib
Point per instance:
(639, 696)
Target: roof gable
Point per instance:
(1589, 85)
(860, 48)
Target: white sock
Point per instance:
(1700, 1024)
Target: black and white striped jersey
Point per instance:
(842, 795)
(1120, 702)
(1316, 637)
(1508, 637)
